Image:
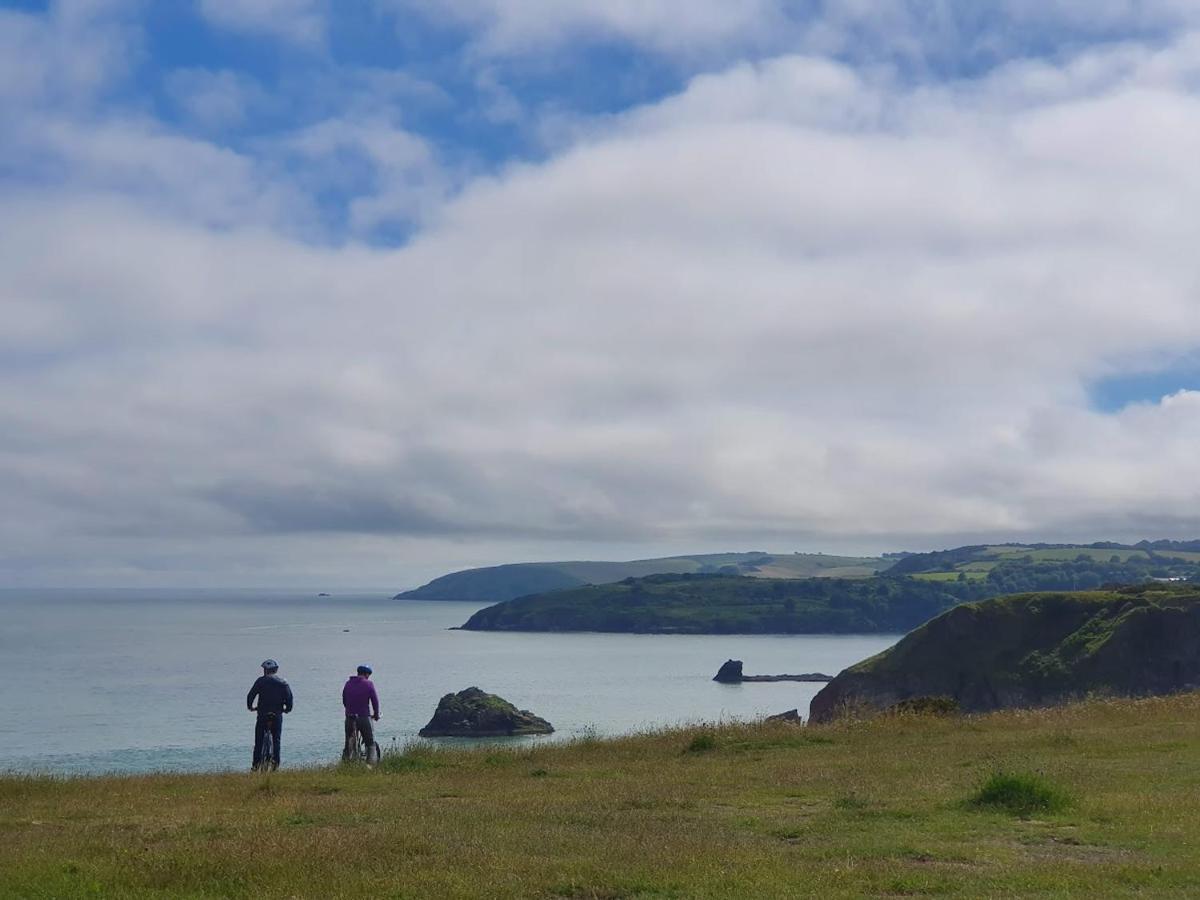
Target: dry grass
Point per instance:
(874, 808)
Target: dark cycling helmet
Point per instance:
(364, 670)
(270, 664)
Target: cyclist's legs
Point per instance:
(367, 729)
(276, 726)
(348, 747)
(260, 727)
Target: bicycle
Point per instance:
(266, 758)
(356, 745)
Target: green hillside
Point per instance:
(494, 584)
(1034, 650)
(1015, 568)
(728, 604)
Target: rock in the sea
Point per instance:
(792, 717)
(476, 713)
(730, 672)
(1032, 650)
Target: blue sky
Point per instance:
(297, 289)
(1116, 392)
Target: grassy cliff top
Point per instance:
(1061, 624)
(894, 806)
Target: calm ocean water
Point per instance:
(134, 681)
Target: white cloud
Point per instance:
(301, 22)
(390, 173)
(214, 99)
(796, 303)
(203, 182)
(68, 56)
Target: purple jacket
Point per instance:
(359, 697)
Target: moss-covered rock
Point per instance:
(476, 713)
(1033, 650)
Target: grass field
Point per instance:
(1190, 556)
(972, 575)
(1101, 799)
(1070, 553)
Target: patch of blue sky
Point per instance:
(457, 109)
(1114, 393)
(477, 115)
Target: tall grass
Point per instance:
(1020, 793)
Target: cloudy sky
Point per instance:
(304, 292)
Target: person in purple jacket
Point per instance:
(362, 705)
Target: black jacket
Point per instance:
(274, 695)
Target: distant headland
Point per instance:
(747, 594)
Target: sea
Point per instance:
(135, 681)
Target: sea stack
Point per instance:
(476, 713)
(730, 672)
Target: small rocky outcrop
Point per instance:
(791, 717)
(476, 713)
(1031, 650)
(731, 673)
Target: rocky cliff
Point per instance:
(1033, 650)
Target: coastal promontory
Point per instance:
(1032, 650)
(725, 604)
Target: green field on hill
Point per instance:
(496, 584)
(1093, 800)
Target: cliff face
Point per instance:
(1033, 650)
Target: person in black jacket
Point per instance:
(274, 699)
